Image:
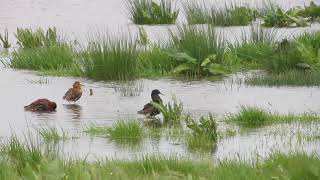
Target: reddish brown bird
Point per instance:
(41, 105)
(74, 93)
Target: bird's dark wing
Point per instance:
(68, 94)
(149, 109)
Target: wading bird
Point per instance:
(41, 105)
(149, 109)
(74, 93)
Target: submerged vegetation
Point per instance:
(52, 135)
(150, 12)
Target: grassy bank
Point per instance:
(191, 51)
(27, 161)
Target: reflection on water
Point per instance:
(74, 110)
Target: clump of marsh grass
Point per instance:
(24, 157)
(156, 61)
(27, 38)
(198, 51)
(256, 117)
(52, 135)
(232, 15)
(254, 48)
(44, 58)
(207, 126)
(107, 58)
(204, 133)
(126, 129)
(122, 132)
(44, 51)
(287, 78)
(172, 113)
(149, 12)
(251, 116)
(143, 37)
(5, 39)
(312, 11)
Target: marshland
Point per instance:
(239, 78)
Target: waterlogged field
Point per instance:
(236, 96)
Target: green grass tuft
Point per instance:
(172, 113)
(122, 132)
(107, 58)
(52, 135)
(199, 51)
(204, 134)
(5, 39)
(150, 12)
(257, 117)
(44, 58)
(287, 78)
(251, 117)
(27, 38)
(233, 15)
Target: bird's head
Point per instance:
(155, 92)
(77, 84)
(53, 105)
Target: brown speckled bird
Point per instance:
(74, 93)
(149, 109)
(41, 105)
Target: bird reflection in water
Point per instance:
(74, 110)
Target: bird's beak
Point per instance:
(162, 94)
(82, 85)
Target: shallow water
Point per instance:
(112, 101)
